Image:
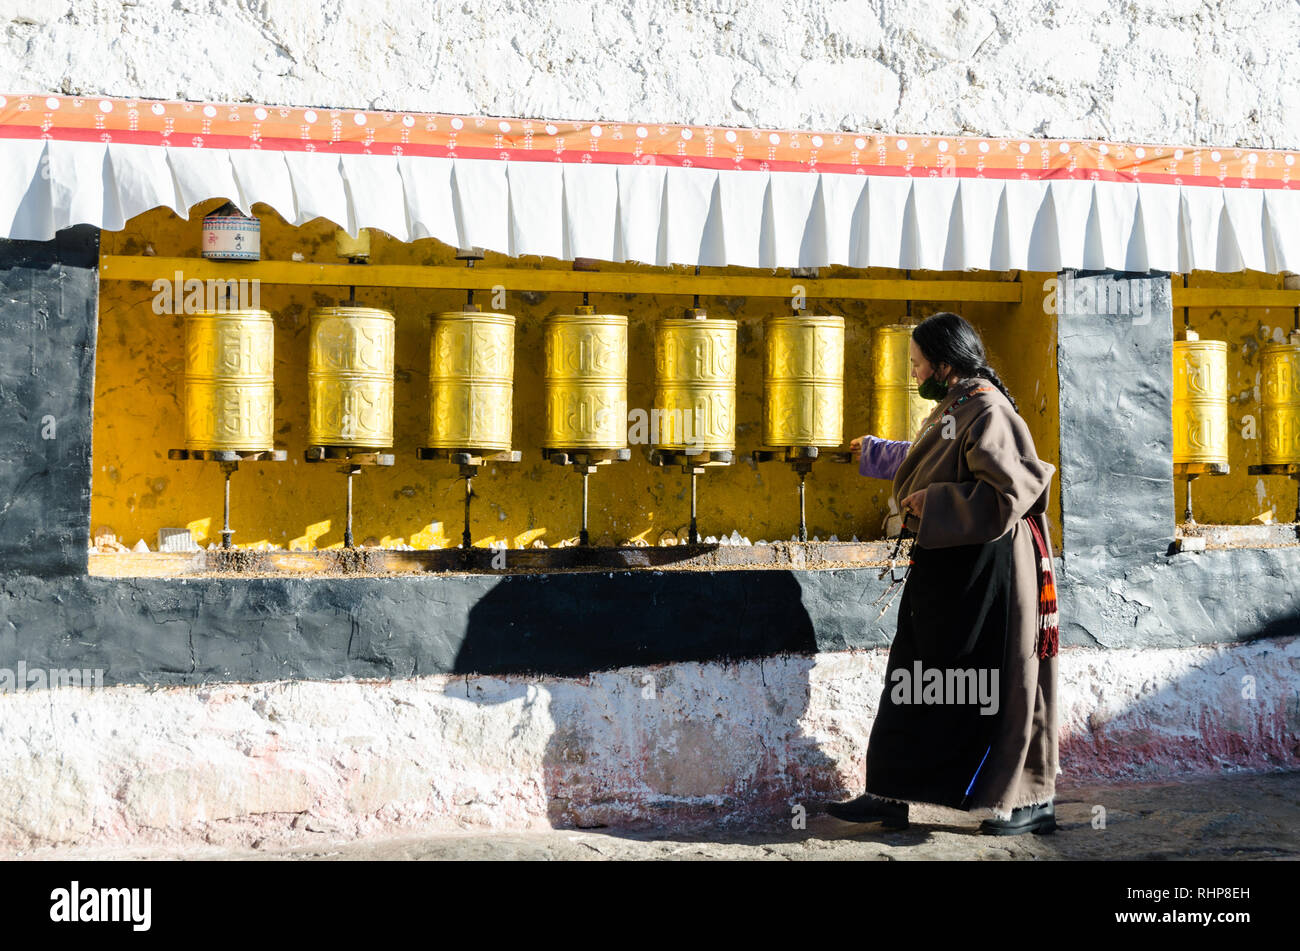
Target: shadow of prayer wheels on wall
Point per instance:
(350, 377)
(1280, 401)
(471, 380)
(695, 383)
(897, 409)
(586, 380)
(229, 381)
(803, 381)
(1200, 408)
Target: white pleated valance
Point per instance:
(805, 200)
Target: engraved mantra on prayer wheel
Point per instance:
(229, 380)
(1280, 401)
(350, 378)
(695, 383)
(803, 381)
(586, 381)
(897, 410)
(1200, 401)
(471, 380)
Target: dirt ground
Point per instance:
(1232, 817)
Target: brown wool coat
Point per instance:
(981, 475)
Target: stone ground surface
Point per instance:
(1233, 817)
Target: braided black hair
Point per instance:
(946, 338)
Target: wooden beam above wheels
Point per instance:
(1233, 297)
(113, 267)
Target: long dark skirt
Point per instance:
(935, 724)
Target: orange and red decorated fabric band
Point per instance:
(350, 131)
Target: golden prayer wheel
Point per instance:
(897, 409)
(1200, 413)
(350, 377)
(803, 381)
(1280, 392)
(229, 380)
(586, 380)
(471, 380)
(695, 383)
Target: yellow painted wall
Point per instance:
(139, 365)
(1237, 497)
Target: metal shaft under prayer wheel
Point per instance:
(803, 390)
(1200, 409)
(1280, 402)
(229, 380)
(471, 392)
(693, 418)
(897, 409)
(586, 393)
(350, 377)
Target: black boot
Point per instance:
(869, 808)
(1039, 819)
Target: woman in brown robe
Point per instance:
(967, 718)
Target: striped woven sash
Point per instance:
(1049, 631)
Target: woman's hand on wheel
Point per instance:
(915, 503)
(855, 446)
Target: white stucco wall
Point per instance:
(1173, 71)
(236, 763)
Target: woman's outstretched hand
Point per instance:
(855, 446)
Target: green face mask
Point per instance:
(932, 389)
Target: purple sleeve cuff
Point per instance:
(882, 457)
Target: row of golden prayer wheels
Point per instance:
(1200, 409)
(229, 381)
(1200, 403)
